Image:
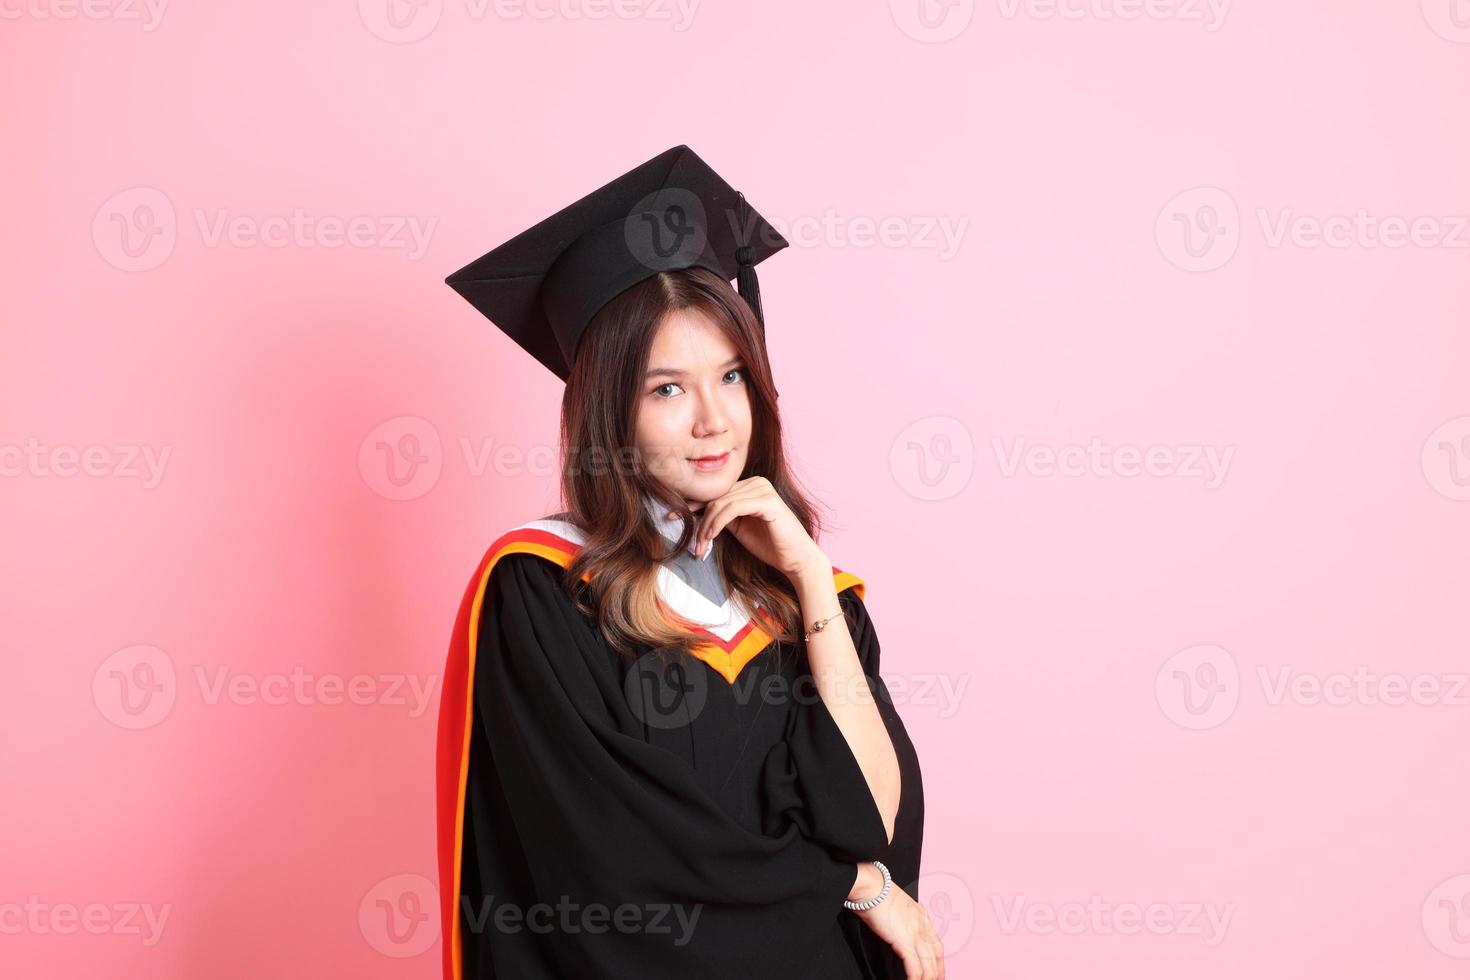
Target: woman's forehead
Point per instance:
(687, 338)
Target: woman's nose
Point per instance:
(710, 419)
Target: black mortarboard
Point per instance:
(543, 286)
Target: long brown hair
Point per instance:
(603, 479)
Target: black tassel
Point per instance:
(745, 281)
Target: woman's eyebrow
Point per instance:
(671, 372)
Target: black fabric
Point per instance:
(596, 780)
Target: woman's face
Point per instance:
(694, 403)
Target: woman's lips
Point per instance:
(710, 463)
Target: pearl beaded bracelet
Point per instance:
(864, 906)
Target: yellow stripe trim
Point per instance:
(527, 547)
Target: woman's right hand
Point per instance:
(905, 925)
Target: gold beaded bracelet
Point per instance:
(818, 626)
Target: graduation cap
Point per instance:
(544, 286)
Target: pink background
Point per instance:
(1121, 272)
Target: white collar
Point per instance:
(669, 527)
(725, 620)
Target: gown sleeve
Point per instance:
(902, 856)
(605, 818)
(812, 777)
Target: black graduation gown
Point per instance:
(664, 816)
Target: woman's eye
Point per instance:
(661, 389)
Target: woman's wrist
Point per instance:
(816, 592)
(868, 884)
(815, 570)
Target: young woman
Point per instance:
(665, 747)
